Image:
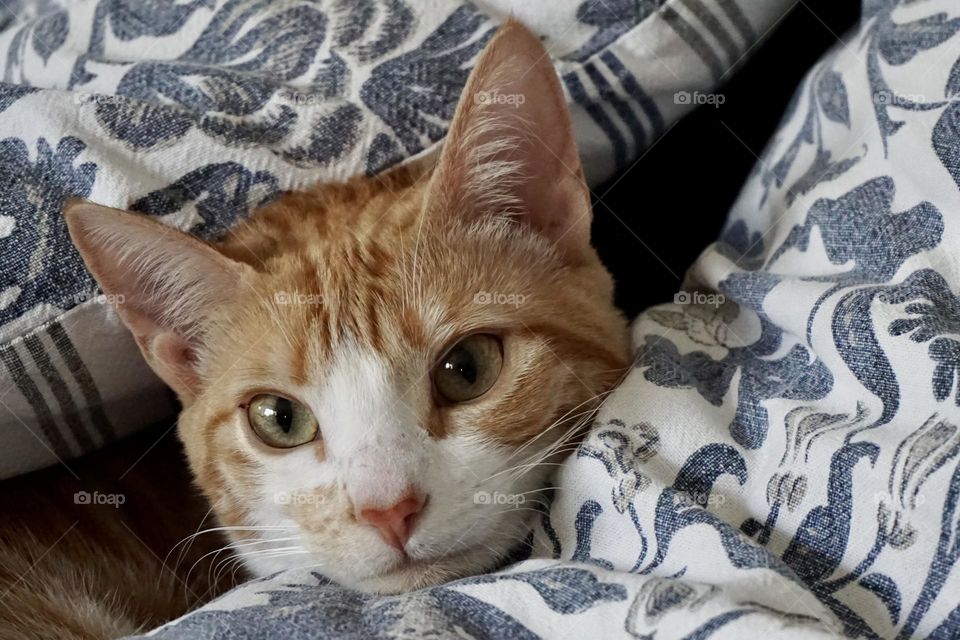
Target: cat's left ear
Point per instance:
(510, 148)
(165, 284)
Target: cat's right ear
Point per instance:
(163, 283)
(510, 150)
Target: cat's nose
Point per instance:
(396, 522)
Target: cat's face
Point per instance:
(379, 377)
(426, 374)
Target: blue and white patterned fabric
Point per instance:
(784, 459)
(197, 111)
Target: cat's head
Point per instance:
(378, 377)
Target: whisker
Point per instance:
(539, 456)
(186, 549)
(560, 420)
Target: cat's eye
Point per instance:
(469, 369)
(281, 422)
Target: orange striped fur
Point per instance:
(344, 298)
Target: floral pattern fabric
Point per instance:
(199, 111)
(783, 461)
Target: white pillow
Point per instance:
(197, 113)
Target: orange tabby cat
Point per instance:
(72, 569)
(374, 374)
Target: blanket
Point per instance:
(783, 460)
(199, 111)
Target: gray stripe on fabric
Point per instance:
(696, 42)
(48, 427)
(600, 117)
(710, 21)
(88, 387)
(607, 93)
(739, 20)
(629, 82)
(68, 408)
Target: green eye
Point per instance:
(281, 422)
(469, 369)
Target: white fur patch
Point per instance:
(376, 447)
(372, 435)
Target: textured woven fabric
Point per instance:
(196, 112)
(784, 459)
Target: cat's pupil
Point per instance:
(469, 369)
(280, 422)
(463, 364)
(283, 411)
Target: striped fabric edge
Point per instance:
(45, 367)
(717, 33)
(612, 96)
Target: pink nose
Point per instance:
(396, 523)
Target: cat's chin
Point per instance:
(392, 573)
(411, 575)
(398, 575)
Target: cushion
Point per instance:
(783, 460)
(199, 112)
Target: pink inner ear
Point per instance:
(167, 283)
(171, 356)
(511, 144)
(178, 355)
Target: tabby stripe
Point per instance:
(29, 390)
(599, 116)
(696, 42)
(739, 20)
(607, 93)
(61, 340)
(68, 408)
(711, 22)
(629, 83)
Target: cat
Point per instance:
(95, 551)
(378, 376)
